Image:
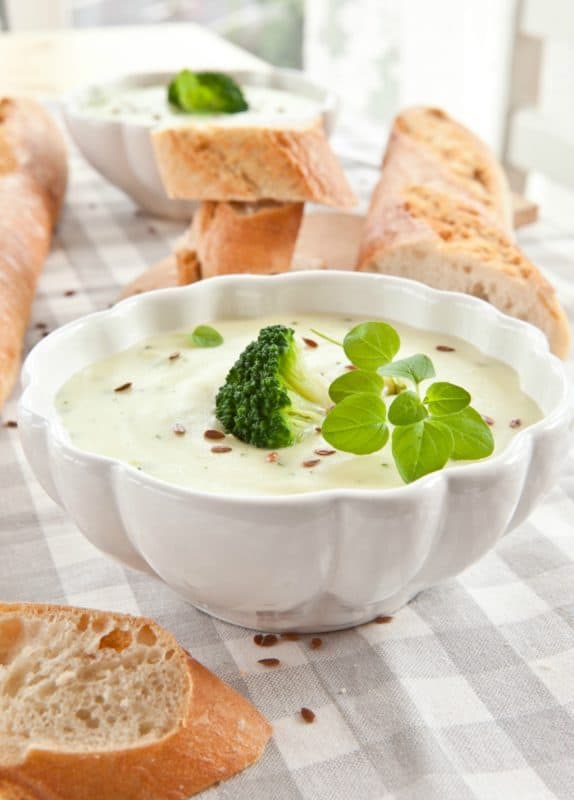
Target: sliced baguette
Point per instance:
(428, 147)
(240, 237)
(102, 706)
(435, 226)
(293, 164)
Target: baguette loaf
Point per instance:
(33, 174)
(101, 706)
(244, 163)
(439, 215)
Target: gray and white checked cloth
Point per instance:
(467, 694)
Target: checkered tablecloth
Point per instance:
(467, 693)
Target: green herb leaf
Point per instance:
(444, 398)
(359, 381)
(206, 92)
(472, 437)
(371, 344)
(357, 424)
(205, 336)
(421, 448)
(415, 368)
(406, 409)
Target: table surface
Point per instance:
(467, 694)
(53, 62)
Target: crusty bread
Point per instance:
(436, 225)
(102, 706)
(293, 164)
(240, 237)
(427, 147)
(33, 174)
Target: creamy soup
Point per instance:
(149, 105)
(151, 405)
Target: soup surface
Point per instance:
(165, 404)
(148, 105)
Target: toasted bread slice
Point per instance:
(103, 706)
(292, 164)
(434, 238)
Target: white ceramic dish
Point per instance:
(312, 562)
(121, 149)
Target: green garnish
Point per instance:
(421, 448)
(357, 424)
(407, 408)
(427, 432)
(205, 336)
(206, 92)
(359, 381)
(443, 399)
(269, 398)
(472, 436)
(371, 344)
(416, 368)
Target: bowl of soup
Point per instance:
(118, 420)
(111, 122)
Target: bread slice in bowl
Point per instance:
(245, 163)
(104, 706)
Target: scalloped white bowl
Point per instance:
(309, 562)
(121, 150)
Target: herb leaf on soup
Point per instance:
(406, 409)
(415, 368)
(371, 344)
(421, 448)
(357, 424)
(473, 438)
(206, 92)
(205, 336)
(359, 381)
(444, 398)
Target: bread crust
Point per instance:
(244, 163)
(428, 147)
(230, 238)
(428, 220)
(219, 733)
(33, 175)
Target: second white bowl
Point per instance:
(121, 149)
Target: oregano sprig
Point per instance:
(427, 432)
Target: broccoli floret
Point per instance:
(269, 399)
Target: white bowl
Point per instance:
(309, 562)
(121, 150)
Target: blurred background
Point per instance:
(503, 67)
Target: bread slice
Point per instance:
(434, 238)
(240, 237)
(439, 215)
(250, 163)
(428, 147)
(103, 706)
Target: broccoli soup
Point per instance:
(294, 404)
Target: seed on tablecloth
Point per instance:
(382, 620)
(315, 643)
(265, 640)
(124, 387)
(269, 662)
(308, 715)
